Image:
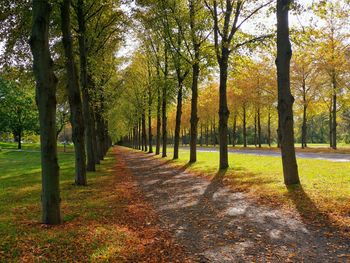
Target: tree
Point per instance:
(331, 51)
(75, 103)
(46, 83)
(285, 98)
(17, 110)
(226, 25)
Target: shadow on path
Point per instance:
(218, 224)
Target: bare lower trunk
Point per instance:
(269, 128)
(259, 128)
(223, 109)
(85, 89)
(255, 130)
(194, 113)
(164, 104)
(334, 115)
(144, 134)
(46, 83)
(304, 129)
(234, 130)
(19, 143)
(244, 127)
(178, 122)
(285, 98)
(330, 124)
(158, 122)
(150, 136)
(74, 97)
(94, 136)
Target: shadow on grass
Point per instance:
(306, 207)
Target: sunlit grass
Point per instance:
(325, 184)
(84, 210)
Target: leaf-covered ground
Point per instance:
(218, 220)
(107, 221)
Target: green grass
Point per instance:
(325, 185)
(84, 210)
(33, 146)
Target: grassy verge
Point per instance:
(323, 197)
(98, 224)
(33, 146)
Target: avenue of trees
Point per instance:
(203, 72)
(66, 50)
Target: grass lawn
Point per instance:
(91, 230)
(33, 146)
(324, 195)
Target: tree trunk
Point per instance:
(255, 129)
(244, 126)
(234, 130)
(144, 134)
(334, 114)
(139, 139)
(150, 136)
(94, 135)
(158, 121)
(194, 111)
(304, 128)
(330, 122)
(85, 89)
(74, 97)
(164, 103)
(178, 122)
(46, 83)
(201, 136)
(223, 109)
(259, 128)
(19, 143)
(207, 134)
(269, 128)
(285, 98)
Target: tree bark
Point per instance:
(194, 110)
(330, 124)
(144, 134)
(85, 88)
(304, 124)
(19, 143)
(234, 130)
(158, 121)
(164, 103)
(150, 136)
(244, 126)
(255, 129)
(74, 97)
(269, 128)
(259, 127)
(223, 109)
(178, 121)
(334, 114)
(285, 98)
(46, 83)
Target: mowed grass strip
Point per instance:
(324, 195)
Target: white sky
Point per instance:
(131, 44)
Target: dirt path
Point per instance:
(216, 224)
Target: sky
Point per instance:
(131, 43)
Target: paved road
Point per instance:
(333, 157)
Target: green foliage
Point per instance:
(18, 112)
